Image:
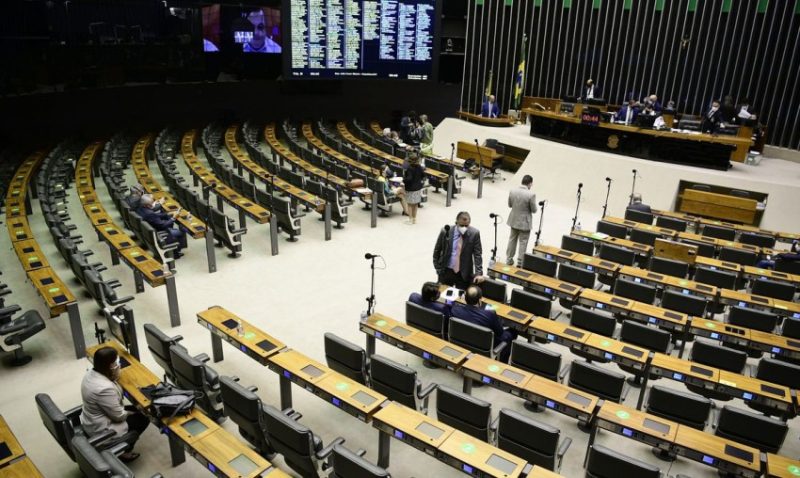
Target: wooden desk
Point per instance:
(530, 280)
(608, 349)
(604, 301)
(483, 155)
(560, 333)
(781, 467)
(651, 314)
(662, 231)
(668, 282)
(751, 389)
(468, 454)
(718, 264)
(131, 378)
(561, 398)
(30, 255)
(684, 371)
(775, 344)
(222, 325)
(640, 249)
(313, 141)
(539, 472)
(590, 263)
(115, 237)
(352, 397)
(719, 206)
(18, 229)
(144, 267)
(785, 308)
(22, 468)
(517, 319)
(97, 215)
(55, 293)
(283, 152)
(632, 423)
(501, 121)
(7, 437)
(495, 373)
(224, 455)
(719, 331)
(717, 452)
(756, 273)
(719, 243)
(409, 426)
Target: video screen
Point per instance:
(242, 29)
(211, 36)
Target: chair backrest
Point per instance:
(703, 249)
(346, 358)
(292, 440)
(752, 318)
(764, 433)
(398, 382)
(790, 267)
(425, 319)
(717, 356)
(791, 328)
(159, 343)
(635, 290)
(644, 237)
(527, 438)
(347, 464)
(535, 359)
(739, 256)
(780, 372)
(679, 406)
(715, 277)
(761, 240)
(577, 244)
(648, 337)
(596, 380)
(617, 254)
(670, 267)
(244, 408)
(592, 320)
(638, 216)
(539, 264)
(466, 413)
(774, 289)
(189, 372)
(687, 304)
(472, 337)
(671, 223)
(531, 302)
(56, 422)
(576, 275)
(494, 290)
(724, 233)
(605, 463)
(613, 230)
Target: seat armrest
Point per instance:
(562, 449)
(422, 393)
(10, 310)
(325, 452)
(114, 283)
(118, 449)
(563, 373)
(120, 300)
(74, 414)
(496, 351)
(253, 388)
(104, 435)
(203, 357)
(361, 452)
(236, 232)
(625, 390)
(12, 326)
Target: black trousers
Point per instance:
(137, 424)
(450, 277)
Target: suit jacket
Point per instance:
(484, 318)
(416, 298)
(596, 92)
(711, 123)
(522, 202)
(485, 111)
(471, 252)
(102, 405)
(160, 221)
(623, 113)
(640, 207)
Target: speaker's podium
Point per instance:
(487, 157)
(675, 250)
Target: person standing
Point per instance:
(522, 202)
(711, 118)
(458, 253)
(413, 181)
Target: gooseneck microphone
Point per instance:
(608, 192)
(542, 203)
(492, 215)
(577, 206)
(369, 256)
(608, 179)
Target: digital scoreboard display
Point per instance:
(360, 39)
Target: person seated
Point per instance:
(628, 113)
(791, 256)
(712, 118)
(653, 103)
(163, 222)
(590, 90)
(429, 298)
(103, 408)
(474, 312)
(637, 204)
(489, 108)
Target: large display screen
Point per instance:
(360, 38)
(243, 29)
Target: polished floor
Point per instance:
(313, 287)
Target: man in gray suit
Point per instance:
(523, 205)
(458, 254)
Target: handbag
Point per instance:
(166, 401)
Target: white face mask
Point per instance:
(462, 229)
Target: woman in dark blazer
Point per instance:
(413, 181)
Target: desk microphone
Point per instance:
(476, 142)
(369, 256)
(542, 203)
(608, 179)
(493, 215)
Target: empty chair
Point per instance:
(758, 431)
(577, 276)
(760, 240)
(724, 233)
(301, 449)
(193, 374)
(539, 264)
(577, 244)
(96, 464)
(635, 290)
(716, 277)
(638, 216)
(531, 440)
(646, 337)
(605, 463)
(475, 338)
(774, 289)
(245, 409)
(346, 358)
(739, 256)
(14, 332)
(644, 237)
(347, 464)
(399, 383)
(598, 381)
(682, 407)
(427, 320)
(703, 249)
(670, 267)
(537, 360)
(725, 358)
(752, 319)
(159, 343)
(613, 230)
(790, 267)
(464, 412)
(671, 223)
(617, 254)
(593, 320)
(791, 328)
(532, 302)
(782, 373)
(494, 290)
(688, 304)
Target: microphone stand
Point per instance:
(575, 219)
(371, 298)
(633, 188)
(541, 219)
(608, 192)
(451, 180)
(480, 170)
(494, 249)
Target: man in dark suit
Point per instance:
(590, 90)
(162, 222)
(711, 118)
(628, 113)
(637, 204)
(489, 108)
(458, 253)
(476, 313)
(429, 298)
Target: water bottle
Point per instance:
(578, 226)
(364, 316)
(491, 263)
(239, 328)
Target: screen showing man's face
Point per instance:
(259, 30)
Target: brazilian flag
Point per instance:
(519, 82)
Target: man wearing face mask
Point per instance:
(458, 254)
(103, 408)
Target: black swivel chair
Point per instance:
(782, 373)
(605, 463)
(752, 319)
(790, 267)
(638, 216)
(613, 230)
(670, 267)
(703, 249)
(646, 337)
(577, 244)
(598, 381)
(64, 426)
(724, 233)
(688, 304)
(635, 290)
(754, 239)
(192, 373)
(301, 449)
(739, 256)
(644, 237)
(537, 360)
(593, 320)
(159, 343)
(97, 464)
(14, 332)
(615, 254)
(774, 289)
(671, 223)
(474, 338)
(464, 412)
(539, 264)
(399, 383)
(531, 440)
(706, 353)
(346, 358)
(534, 303)
(347, 464)
(716, 277)
(425, 319)
(245, 409)
(747, 428)
(577, 276)
(682, 407)
(494, 290)
(791, 328)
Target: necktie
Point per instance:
(711, 113)
(457, 264)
